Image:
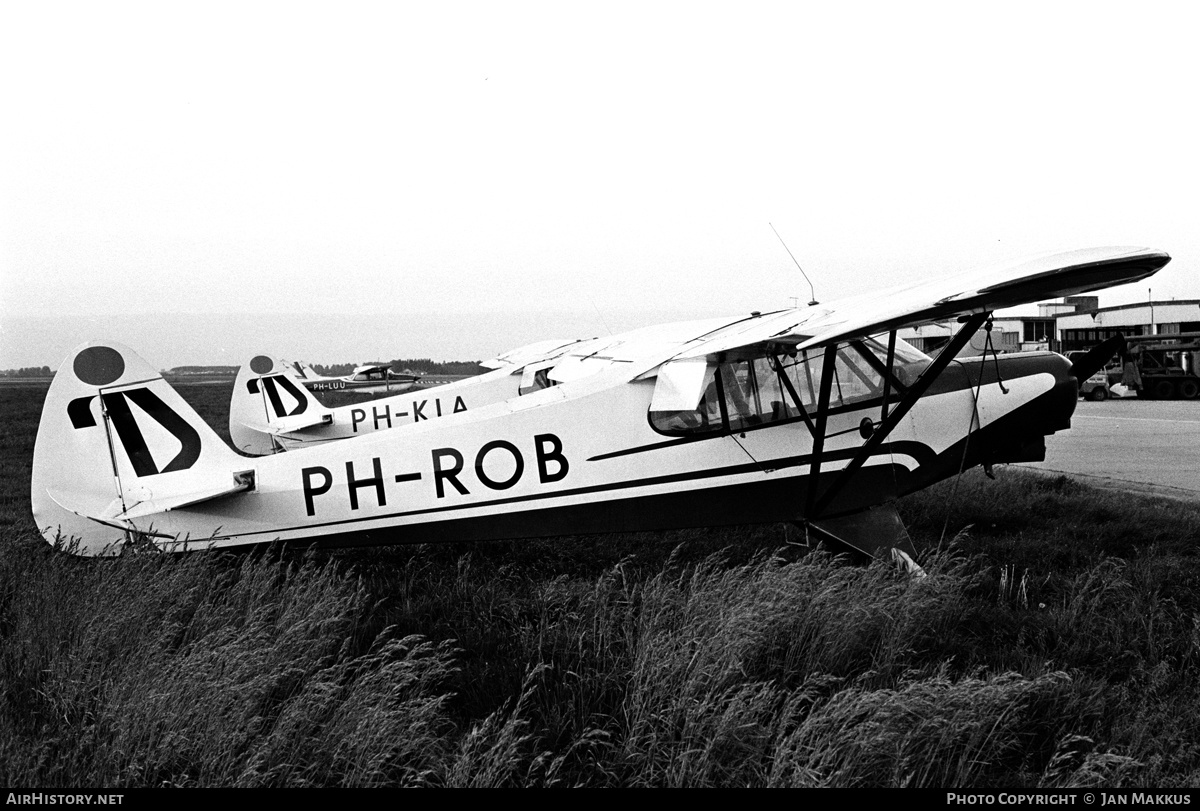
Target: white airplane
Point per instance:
(271, 410)
(816, 415)
(371, 377)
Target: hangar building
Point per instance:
(1074, 323)
(1083, 330)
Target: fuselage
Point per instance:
(588, 457)
(410, 405)
(263, 404)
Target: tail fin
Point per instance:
(116, 446)
(269, 399)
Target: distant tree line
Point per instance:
(27, 371)
(419, 365)
(203, 370)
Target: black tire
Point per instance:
(1189, 389)
(1098, 394)
(1163, 390)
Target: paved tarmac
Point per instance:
(1141, 445)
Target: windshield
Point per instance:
(771, 387)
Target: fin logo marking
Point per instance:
(116, 407)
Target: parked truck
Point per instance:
(1167, 365)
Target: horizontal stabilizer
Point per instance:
(291, 425)
(139, 503)
(58, 498)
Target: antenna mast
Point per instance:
(811, 291)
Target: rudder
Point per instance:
(117, 445)
(268, 399)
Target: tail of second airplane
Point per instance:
(303, 371)
(268, 400)
(117, 449)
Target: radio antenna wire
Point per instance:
(812, 293)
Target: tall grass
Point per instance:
(1056, 642)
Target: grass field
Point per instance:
(1055, 642)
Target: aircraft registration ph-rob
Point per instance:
(818, 415)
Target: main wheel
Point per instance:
(1163, 390)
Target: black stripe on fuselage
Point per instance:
(763, 501)
(922, 453)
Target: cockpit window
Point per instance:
(535, 380)
(747, 392)
(907, 362)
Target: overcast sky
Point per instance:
(454, 179)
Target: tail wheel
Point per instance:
(1163, 390)
(1188, 389)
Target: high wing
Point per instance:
(373, 372)
(521, 356)
(971, 296)
(993, 288)
(971, 292)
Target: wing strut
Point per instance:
(887, 378)
(814, 471)
(907, 401)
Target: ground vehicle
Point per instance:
(1098, 386)
(1167, 364)
(1095, 387)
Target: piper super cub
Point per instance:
(817, 415)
